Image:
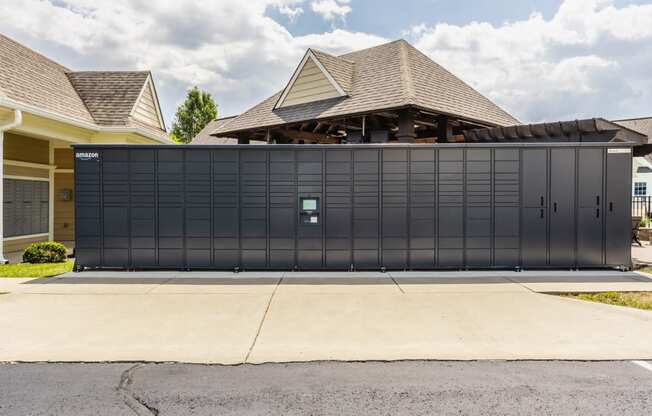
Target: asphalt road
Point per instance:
(409, 388)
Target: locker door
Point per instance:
(617, 209)
(311, 215)
(535, 183)
(589, 227)
(562, 207)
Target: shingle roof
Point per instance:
(109, 96)
(31, 78)
(99, 98)
(392, 75)
(204, 137)
(641, 125)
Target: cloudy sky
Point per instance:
(539, 59)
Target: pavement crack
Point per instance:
(135, 403)
(262, 320)
(396, 283)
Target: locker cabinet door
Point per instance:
(562, 207)
(617, 209)
(590, 212)
(311, 215)
(534, 238)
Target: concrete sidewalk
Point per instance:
(216, 318)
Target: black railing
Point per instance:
(642, 206)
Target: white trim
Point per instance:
(309, 55)
(27, 178)
(33, 165)
(51, 192)
(19, 237)
(7, 102)
(149, 83)
(64, 171)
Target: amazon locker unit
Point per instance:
(353, 207)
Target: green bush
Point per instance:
(47, 252)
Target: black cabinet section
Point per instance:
(352, 207)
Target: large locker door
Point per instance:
(534, 238)
(590, 212)
(450, 206)
(338, 208)
(226, 208)
(618, 210)
(282, 209)
(395, 208)
(562, 207)
(366, 185)
(310, 225)
(423, 213)
(197, 185)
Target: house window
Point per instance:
(640, 188)
(26, 207)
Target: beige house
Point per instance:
(44, 109)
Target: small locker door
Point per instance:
(534, 241)
(562, 207)
(590, 212)
(617, 209)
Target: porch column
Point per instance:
(18, 118)
(406, 133)
(444, 129)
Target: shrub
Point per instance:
(46, 252)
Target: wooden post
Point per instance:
(406, 133)
(444, 129)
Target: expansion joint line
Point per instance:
(262, 320)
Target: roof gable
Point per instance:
(311, 82)
(109, 96)
(147, 109)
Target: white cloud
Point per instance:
(331, 9)
(585, 61)
(230, 48)
(292, 13)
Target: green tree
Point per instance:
(193, 115)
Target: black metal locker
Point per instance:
(253, 208)
(506, 206)
(394, 217)
(310, 223)
(589, 212)
(534, 238)
(618, 207)
(450, 207)
(197, 203)
(143, 207)
(115, 208)
(561, 207)
(366, 209)
(338, 209)
(226, 208)
(478, 208)
(171, 210)
(282, 209)
(423, 211)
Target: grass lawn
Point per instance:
(35, 270)
(639, 300)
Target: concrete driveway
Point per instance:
(279, 317)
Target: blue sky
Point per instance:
(541, 60)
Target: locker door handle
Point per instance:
(597, 213)
(541, 201)
(541, 213)
(554, 207)
(611, 206)
(597, 200)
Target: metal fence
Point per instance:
(642, 206)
